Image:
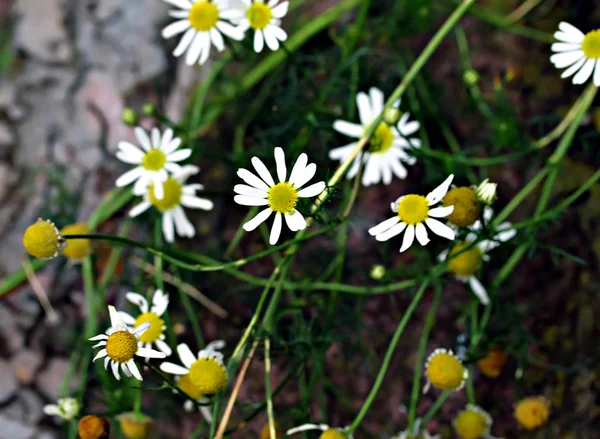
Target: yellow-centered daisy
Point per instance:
(120, 345)
(578, 52)
(281, 198)
(265, 20)
(412, 213)
(155, 334)
(473, 423)
(445, 371)
(43, 240)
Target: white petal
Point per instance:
(257, 220)
(125, 369)
(280, 10)
(313, 190)
(295, 221)
(140, 329)
(421, 234)
(372, 174)
(194, 202)
(140, 208)
(341, 152)
(135, 154)
(183, 4)
(52, 410)
(597, 74)
(167, 227)
(129, 177)
(185, 355)
(565, 47)
(304, 177)
(262, 171)
(138, 300)
(141, 185)
(365, 114)
(195, 49)
(382, 227)
(249, 191)
(574, 68)
(175, 28)
(270, 39)
(217, 39)
(586, 71)
(167, 137)
(115, 369)
(280, 162)
(441, 212)
(377, 101)
(398, 169)
(565, 59)
(205, 51)
(149, 353)
(127, 318)
(440, 228)
(171, 146)
(277, 32)
(386, 171)
(178, 14)
(134, 370)
(250, 201)
(163, 347)
(408, 128)
(259, 41)
(298, 169)
(252, 179)
(275, 230)
(235, 33)
(115, 317)
(99, 337)
(571, 30)
(439, 192)
(180, 155)
(101, 354)
(479, 290)
(174, 369)
(348, 128)
(160, 302)
(184, 227)
(143, 138)
(391, 232)
(409, 237)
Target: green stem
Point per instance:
(268, 390)
(436, 406)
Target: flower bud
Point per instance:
(130, 117)
(486, 192)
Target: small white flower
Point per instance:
(120, 346)
(265, 19)
(417, 432)
(387, 148)
(176, 195)
(465, 264)
(157, 157)
(579, 52)
(155, 334)
(65, 408)
(280, 198)
(202, 23)
(486, 192)
(413, 211)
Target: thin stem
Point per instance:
(268, 391)
(436, 406)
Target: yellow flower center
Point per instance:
(470, 424)
(204, 16)
(93, 427)
(413, 209)
(77, 249)
(466, 207)
(532, 412)
(591, 44)
(154, 160)
(190, 389)
(332, 433)
(466, 261)
(135, 425)
(282, 197)
(42, 240)
(208, 375)
(492, 364)
(171, 198)
(121, 346)
(259, 15)
(445, 371)
(381, 140)
(154, 331)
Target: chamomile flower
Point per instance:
(157, 157)
(387, 149)
(466, 256)
(65, 408)
(281, 198)
(43, 240)
(206, 371)
(445, 371)
(135, 425)
(416, 434)
(466, 206)
(265, 20)
(579, 52)
(328, 432)
(532, 412)
(492, 364)
(93, 427)
(155, 334)
(473, 423)
(413, 211)
(176, 196)
(202, 23)
(77, 249)
(121, 344)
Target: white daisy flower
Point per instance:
(280, 198)
(418, 433)
(65, 408)
(579, 52)
(469, 257)
(202, 375)
(265, 19)
(157, 157)
(329, 432)
(176, 195)
(202, 23)
(121, 345)
(412, 211)
(155, 334)
(387, 148)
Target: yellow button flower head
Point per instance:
(332, 433)
(135, 425)
(445, 371)
(492, 364)
(472, 423)
(43, 240)
(93, 427)
(206, 371)
(77, 249)
(466, 207)
(532, 412)
(266, 434)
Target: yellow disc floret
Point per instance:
(466, 207)
(189, 388)
(283, 198)
(154, 160)
(77, 249)
(445, 371)
(381, 140)
(42, 240)
(492, 364)
(135, 425)
(171, 198)
(204, 16)
(591, 44)
(209, 376)
(93, 427)
(413, 209)
(155, 330)
(532, 412)
(332, 433)
(259, 15)
(471, 424)
(121, 346)
(265, 432)
(464, 262)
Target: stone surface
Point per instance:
(12, 338)
(11, 429)
(8, 383)
(24, 366)
(49, 380)
(27, 408)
